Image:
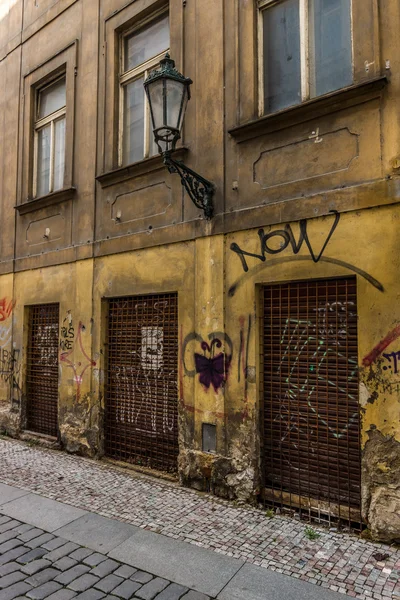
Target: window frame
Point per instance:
(62, 64)
(305, 75)
(126, 77)
(39, 124)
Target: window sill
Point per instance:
(47, 200)
(317, 107)
(142, 167)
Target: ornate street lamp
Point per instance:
(168, 92)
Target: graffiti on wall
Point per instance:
(6, 308)
(212, 365)
(286, 238)
(372, 356)
(384, 367)
(70, 345)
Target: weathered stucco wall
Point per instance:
(217, 279)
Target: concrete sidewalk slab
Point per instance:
(96, 532)
(41, 512)
(8, 493)
(257, 583)
(196, 568)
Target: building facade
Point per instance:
(256, 354)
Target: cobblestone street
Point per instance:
(38, 565)
(341, 562)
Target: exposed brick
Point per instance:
(151, 589)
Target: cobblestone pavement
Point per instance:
(340, 562)
(38, 565)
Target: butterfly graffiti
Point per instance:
(213, 369)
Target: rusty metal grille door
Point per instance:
(42, 369)
(141, 392)
(310, 386)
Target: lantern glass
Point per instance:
(174, 94)
(156, 100)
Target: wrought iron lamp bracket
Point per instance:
(200, 190)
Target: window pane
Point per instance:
(281, 47)
(43, 161)
(330, 46)
(146, 43)
(59, 154)
(133, 135)
(51, 98)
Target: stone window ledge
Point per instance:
(47, 200)
(142, 167)
(317, 107)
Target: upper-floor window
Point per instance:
(49, 133)
(306, 50)
(141, 51)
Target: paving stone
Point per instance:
(65, 563)
(4, 519)
(14, 543)
(83, 583)
(13, 554)
(126, 589)
(44, 590)
(62, 594)
(9, 568)
(22, 528)
(92, 594)
(29, 535)
(151, 589)
(35, 566)
(32, 555)
(141, 577)
(18, 589)
(42, 577)
(173, 592)
(94, 559)
(9, 525)
(108, 583)
(42, 539)
(6, 536)
(110, 597)
(193, 595)
(105, 568)
(11, 578)
(81, 553)
(61, 551)
(125, 571)
(73, 573)
(53, 544)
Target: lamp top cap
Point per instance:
(167, 70)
